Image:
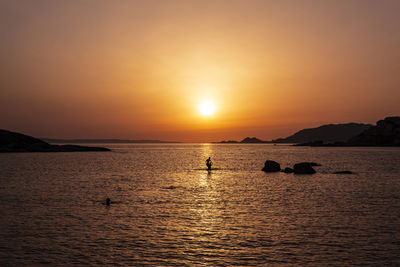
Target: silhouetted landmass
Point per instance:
(330, 133)
(247, 140)
(251, 140)
(16, 142)
(103, 141)
(321, 143)
(385, 133)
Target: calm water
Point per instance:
(168, 210)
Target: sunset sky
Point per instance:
(140, 69)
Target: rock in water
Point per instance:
(288, 170)
(271, 166)
(303, 168)
(343, 172)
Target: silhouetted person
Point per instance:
(108, 201)
(209, 163)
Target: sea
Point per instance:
(168, 210)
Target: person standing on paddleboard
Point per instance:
(209, 163)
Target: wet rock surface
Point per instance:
(303, 168)
(271, 166)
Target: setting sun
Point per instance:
(206, 108)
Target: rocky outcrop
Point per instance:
(385, 133)
(16, 142)
(303, 168)
(271, 166)
(298, 168)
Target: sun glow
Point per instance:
(206, 108)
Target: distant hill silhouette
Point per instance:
(228, 142)
(247, 140)
(330, 133)
(385, 133)
(116, 141)
(17, 142)
(250, 140)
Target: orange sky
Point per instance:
(139, 69)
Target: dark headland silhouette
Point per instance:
(17, 142)
(385, 133)
(328, 133)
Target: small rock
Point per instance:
(343, 172)
(170, 187)
(288, 170)
(303, 168)
(271, 166)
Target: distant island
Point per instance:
(105, 141)
(385, 133)
(17, 142)
(247, 140)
